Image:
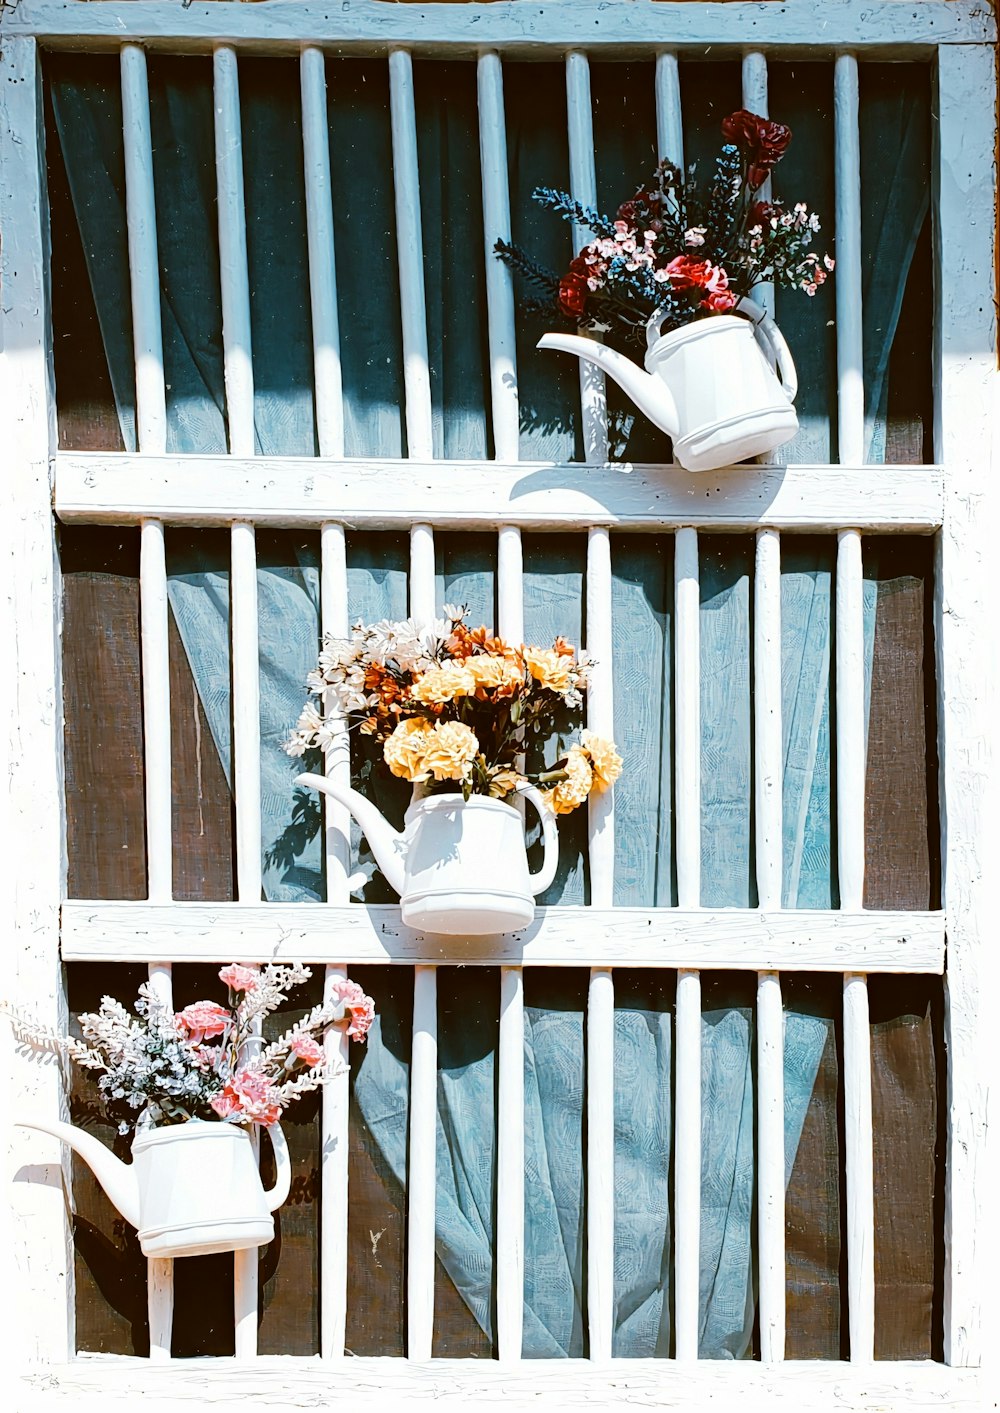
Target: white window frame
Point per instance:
(955, 500)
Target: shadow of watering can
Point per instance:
(721, 387)
(192, 1189)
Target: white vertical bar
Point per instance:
(851, 872)
(233, 254)
(755, 99)
(847, 286)
(768, 762)
(336, 1092)
(140, 206)
(669, 128)
(499, 284)
(35, 1240)
(967, 406)
(410, 249)
(510, 1077)
(151, 429)
(329, 390)
(687, 811)
(421, 1194)
(583, 186)
(246, 792)
(601, 1003)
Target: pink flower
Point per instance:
(308, 1050)
(360, 1007)
(204, 1019)
(688, 273)
(248, 1097)
(719, 302)
(238, 977)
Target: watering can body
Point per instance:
(460, 866)
(721, 387)
(192, 1189)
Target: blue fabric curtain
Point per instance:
(88, 116)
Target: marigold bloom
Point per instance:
(451, 748)
(604, 760)
(444, 684)
(491, 672)
(405, 750)
(574, 789)
(550, 669)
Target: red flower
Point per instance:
(688, 273)
(763, 141)
(720, 302)
(573, 294)
(760, 213)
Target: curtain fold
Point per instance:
(88, 118)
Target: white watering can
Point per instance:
(192, 1189)
(460, 866)
(711, 385)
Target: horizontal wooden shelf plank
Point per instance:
(293, 491)
(522, 29)
(585, 937)
(556, 1384)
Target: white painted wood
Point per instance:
(600, 712)
(687, 718)
(160, 1274)
(858, 1169)
(731, 939)
(246, 795)
(35, 1241)
(755, 99)
(410, 251)
(336, 1092)
(687, 821)
(92, 487)
(328, 382)
(600, 1162)
(850, 728)
(368, 26)
(687, 1165)
(768, 769)
(233, 270)
(499, 282)
(669, 126)
(559, 1384)
(140, 206)
(847, 281)
(966, 615)
(770, 1167)
(509, 1257)
(583, 186)
(421, 1172)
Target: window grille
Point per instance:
(242, 491)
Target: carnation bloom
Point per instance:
(574, 789)
(503, 783)
(490, 672)
(247, 1097)
(238, 977)
(550, 669)
(356, 1004)
(204, 1019)
(604, 760)
(444, 684)
(451, 748)
(405, 750)
(307, 1049)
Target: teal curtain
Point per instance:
(88, 117)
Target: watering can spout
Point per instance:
(384, 840)
(650, 394)
(117, 1178)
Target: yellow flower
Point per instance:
(451, 748)
(550, 669)
(490, 672)
(504, 783)
(575, 788)
(444, 683)
(604, 759)
(406, 749)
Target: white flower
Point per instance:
(456, 612)
(695, 236)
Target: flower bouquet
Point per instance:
(673, 269)
(454, 710)
(191, 1083)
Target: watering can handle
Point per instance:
(770, 336)
(283, 1168)
(550, 838)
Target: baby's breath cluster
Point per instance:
(208, 1061)
(454, 707)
